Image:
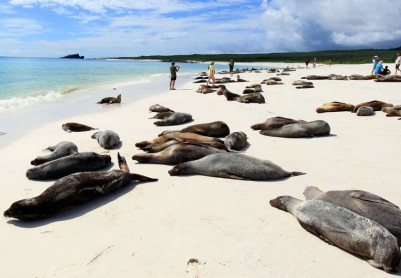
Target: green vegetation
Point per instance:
(361, 56)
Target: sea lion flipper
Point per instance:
(138, 177)
(369, 197)
(122, 163)
(227, 175)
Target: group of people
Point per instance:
(174, 69)
(378, 68)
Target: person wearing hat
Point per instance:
(374, 63)
(379, 68)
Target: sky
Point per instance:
(117, 28)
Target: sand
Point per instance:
(226, 226)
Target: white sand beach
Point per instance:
(155, 229)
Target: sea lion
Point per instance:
(298, 130)
(255, 86)
(364, 203)
(159, 108)
(232, 166)
(275, 122)
(225, 92)
(204, 89)
(336, 77)
(251, 98)
(177, 118)
(239, 79)
(110, 100)
(305, 86)
(375, 104)
(301, 82)
(107, 139)
(236, 140)
(365, 111)
(162, 115)
(345, 229)
(272, 82)
(61, 167)
(212, 129)
(177, 153)
(358, 77)
(76, 127)
(251, 90)
(315, 77)
(389, 78)
(60, 150)
(335, 106)
(393, 112)
(72, 191)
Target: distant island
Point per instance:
(73, 56)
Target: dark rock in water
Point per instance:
(73, 56)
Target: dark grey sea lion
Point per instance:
(275, 122)
(345, 229)
(251, 98)
(177, 118)
(364, 203)
(232, 166)
(375, 104)
(335, 106)
(336, 77)
(76, 127)
(107, 139)
(301, 82)
(306, 86)
(358, 77)
(110, 100)
(176, 154)
(72, 191)
(60, 150)
(236, 141)
(61, 167)
(297, 130)
(315, 77)
(159, 108)
(255, 86)
(162, 115)
(250, 90)
(365, 111)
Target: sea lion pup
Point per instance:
(335, 106)
(275, 122)
(72, 191)
(60, 150)
(233, 166)
(236, 140)
(177, 153)
(162, 115)
(358, 77)
(212, 129)
(107, 139)
(375, 104)
(239, 79)
(364, 203)
(345, 229)
(251, 98)
(76, 127)
(110, 100)
(73, 163)
(159, 108)
(298, 130)
(177, 118)
(365, 111)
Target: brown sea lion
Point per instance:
(301, 82)
(204, 89)
(110, 100)
(212, 129)
(299, 130)
(61, 167)
(177, 118)
(159, 108)
(275, 122)
(233, 166)
(225, 92)
(251, 98)
(358, 77)
(345, 229)
(335, 106)
(176, 154)
(76, 127)
(252, 90)
(394, 112)
(389, 78)
(375, 104)
(315, 77)
(364, 203)
(336, 77)
(60, 150)
(239, 79)
(72, 191)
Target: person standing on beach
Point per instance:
(314, 62)
(231, 66)
(375, 59)
(397, 63)
(307, 63)
(211, 72)
(173, 75)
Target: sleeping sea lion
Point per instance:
(232, 166)
(72, 191)
(76, 127)
(298, 130)
(251, 98)
(159, 108)
(162, 115)
(375, 104)
(177, 118)
(107, 139)
(236, 140)
(365, 111)
(275, 122)
(345, 229)
(364, 203)
(110, 100)
(60, 150)
(61, 167)
(335, 106)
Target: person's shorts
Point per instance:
(173, 78)
(397, 66)
(231, 68)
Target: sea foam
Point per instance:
(20, 102)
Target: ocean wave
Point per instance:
(19, 102)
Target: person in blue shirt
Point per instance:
(374, 63)
(379, 68)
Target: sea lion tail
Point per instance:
(297, 173)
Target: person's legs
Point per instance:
(172, 84)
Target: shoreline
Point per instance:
(155, 229)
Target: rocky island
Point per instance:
(73, 56)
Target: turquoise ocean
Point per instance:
(34, 91)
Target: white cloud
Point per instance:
(17, 27)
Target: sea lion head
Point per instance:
(281, 202)
(24, 209)
(179, 169)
